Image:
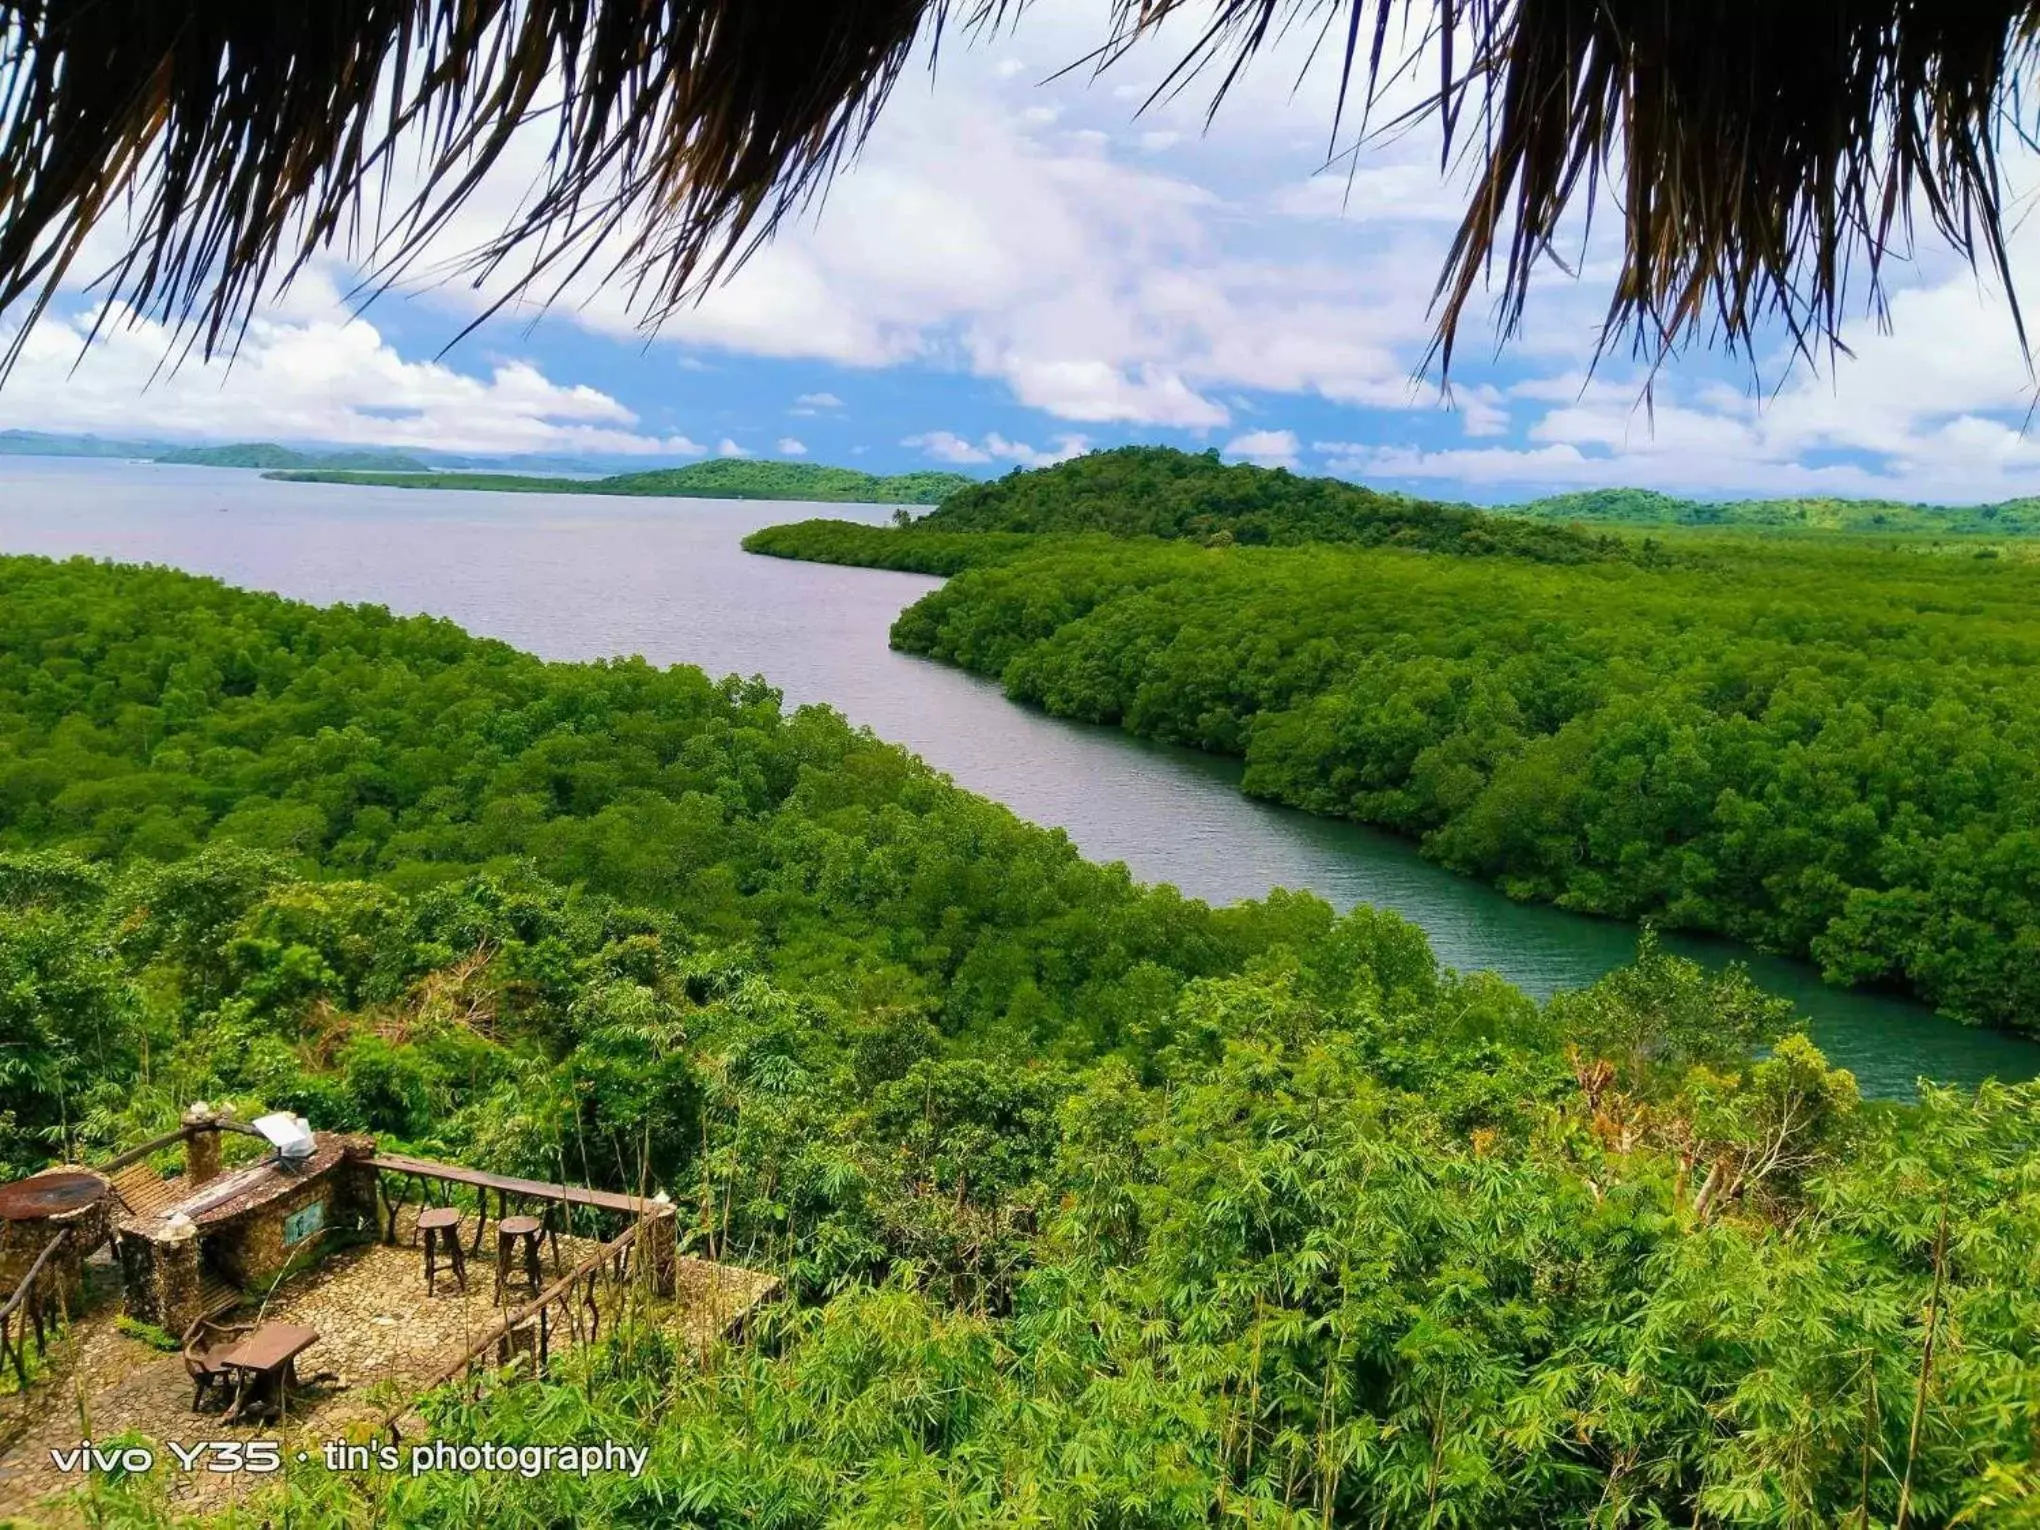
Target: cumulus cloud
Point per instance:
(789, 447)
(307, 371)
(994, 225)
(818, 401)
(1407, 192)
(1482, 412)
(947, 446)
(1270, 448)
(728, 448)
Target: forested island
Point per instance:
(1090, 1199)
(245, 454)
(723, 478)
(1155, 491)
(270, 457)
(1822, 749)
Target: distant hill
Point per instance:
(37, 443)
(725, 478)
(1644, 507)
(1158, 491)
(269, 456)
(746, 478)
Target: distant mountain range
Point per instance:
(269, 456)
(35, 443)
(723, 478)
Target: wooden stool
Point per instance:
(515, 1237)
(441, 1227)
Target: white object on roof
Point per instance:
(292, 1135)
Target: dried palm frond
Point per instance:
(1760, 149)
(239, 137)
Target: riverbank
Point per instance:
(1815, 748)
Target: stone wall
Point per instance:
(160, 1276)
(250, 1251)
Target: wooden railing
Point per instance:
(574, 1303)
(26, 1312)
(183, 1133)
(401, 1179)
(134, 1155)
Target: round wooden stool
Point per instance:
(517, 1243)
(441, 1227)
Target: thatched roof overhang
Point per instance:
(1765, 154)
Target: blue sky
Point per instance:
(1018, 267)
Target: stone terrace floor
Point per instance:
(379, 1332)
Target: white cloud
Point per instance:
(1409, 192)
(818, 401)
(307, 371)
(1935, 407)
(1482, 412)
(1063, 448)
(728, 448)
(993, 225)
(947, 446)
(789, 447)
(1270, 448)
(1098, 391)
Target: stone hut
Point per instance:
(239, 1227)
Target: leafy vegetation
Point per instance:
(267, 455)
(1095, 1205)
(724, 478)
(1817, 750)
(1642, 507)
(146, 716)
